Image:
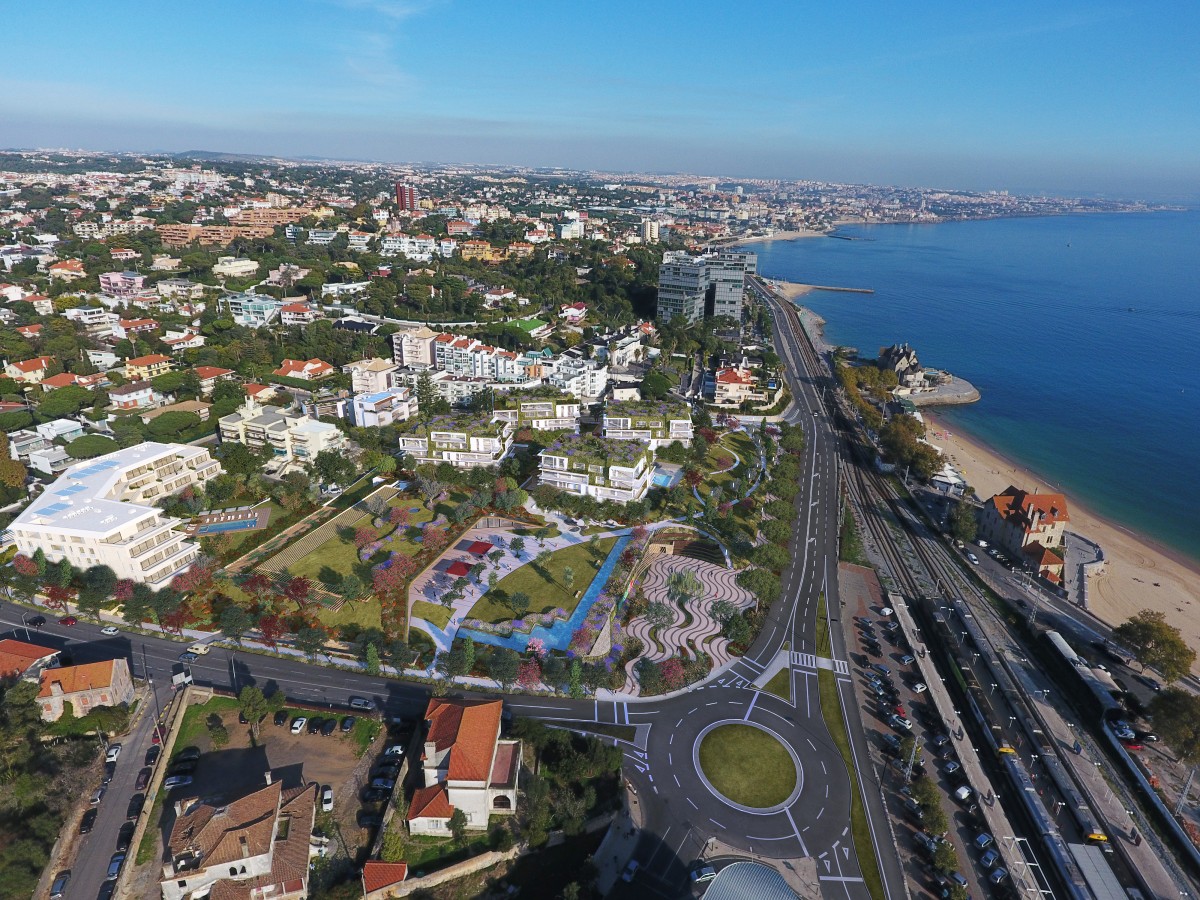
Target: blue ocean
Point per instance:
(1082, 333)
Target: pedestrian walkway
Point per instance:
(809, 661)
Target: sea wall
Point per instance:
(957, 391)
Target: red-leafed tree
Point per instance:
(271, 628)
(672, 673)
(399, 516)
(298, 590)
(364, 536)
(692, 477)
(435, 539)
(196, 580)
(388, 582)
(640, 534)
(258, 586)
(57, 596)
(529, 674)
(123, 590)
(25, 566)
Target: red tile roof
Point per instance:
(73, 679)
(17, 656)
(33, 365)
(378, 875)
(469, 730)
(149, 360)
(206, 372)
(1019, 507)
(430, 803)
(62, 379)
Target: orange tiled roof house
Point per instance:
(466, 765)
(84, 687)
(1030, 527)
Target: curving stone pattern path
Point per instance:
(693, 629)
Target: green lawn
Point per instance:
(831, 709)
(780, 684)
(433, 613)
(193, 727)
(364, 613)
(824, 646)
(747, 765)
(545, 590)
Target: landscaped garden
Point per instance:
(557, 581)
(747, 765)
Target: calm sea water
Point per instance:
(1082, 333)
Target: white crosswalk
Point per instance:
(810, 661)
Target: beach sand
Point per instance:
(779, 236)
(790, 289)
(1139, 575)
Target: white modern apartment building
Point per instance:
(547, 412)
(419, 248)
(597, 467)
(464, 441)
(656, 423)
(369, 376)
(101, 512)
(251, 310)
(386, 407)
(414, 347)
(578, 377)
(290, 435)
(234, 267)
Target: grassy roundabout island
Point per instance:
(747, 765)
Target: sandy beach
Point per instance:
(1139, 575)
(780, 236)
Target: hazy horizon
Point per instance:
(1081, 100)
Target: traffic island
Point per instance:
(747, 766)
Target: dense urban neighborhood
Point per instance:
(380, 531)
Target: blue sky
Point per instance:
(1066, 98)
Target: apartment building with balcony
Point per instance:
(540, 409)
(251, 310)
(603, 468)
(655, 422)
(292, 436)
(122, 285)
(369, 376)
(389, 406)
(102, 512)
(461, 440)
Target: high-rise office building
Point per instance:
(406, 196)
(695, 286)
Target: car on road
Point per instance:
(281, 718)
(187, 656)
(125, 836)
(328, 727)
(68, 621)
(87, 822)
(37, 621)
(110, 630)
(348, 724)
(97, 796)
(703, 874)
(110, 769)
(630, 870)
(298, 724)
(114, 750)
(989, 859)
(1153, 684)
(152, 755)
(199, 649)
(326, 798)
(362, 703)
(136, 803)
(115, 864)
(58, 889)
(106, 890)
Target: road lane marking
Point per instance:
(751, 709)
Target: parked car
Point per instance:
(881, 669)
(159, 735)
(87, 822)
(919, 687)
(143, 779)
(951, 767)
(908, 659)
(183, 768)
(97, 796)
(115, 864)
(989, 859)
(915, 808)
(281, 718)
(187, 754)
(326, 798)
(58, 889)
(110, 630)
(152, 755)
(703, 874)
(328, 727)
(106, 890)
(136, 804)
(898, 722)
(385, 784)
(630, 870)
(983, 840)
(348, 724)
(176, 781)
(997, 875)
(110, 769)
(314, 724)
(369, 820)
(375, 795)
(125, 836)
(298, 724)
(928, 844)
(114, 751)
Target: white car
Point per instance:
(199, 649)
(919, 688)
(114, 750)
(298, 724)
(110, 630)
(973, 558)
(326, 799)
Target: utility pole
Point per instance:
(1183, 795)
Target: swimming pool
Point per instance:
(662, 479)
(218, 527)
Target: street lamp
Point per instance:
(993, 690)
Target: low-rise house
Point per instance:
(147, 367)
(734, 385)
(178, 341)
(19, 659)
(29, 371)
(655, 422)
(135, 395)
(251, 310)
(233, 267)
(320, 237)
(298, 314)
(29, 332)
(256, 847)
(287, 274)
(60, 429)
(179, 289)
(603, 468)
(51, 459)
(466, 765)
(92, 317)
(66, 270)
(461, 440)
(124, 329)
(305, 369)
(1029, 527)
(343, 288)
(23, 442)
(574, 314)
(379, 878)
(384, 407)
(124, 254)
(84, 687)
(210, 375)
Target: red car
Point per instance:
(1130, 745)
(159, 733)
(68, 621)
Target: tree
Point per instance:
(90, 446)
(310, 640)
(519, 603)
(1176, 716)
(568, 577)
(253, 706)
(659, 615)
(331, 467)
(945, 858)
(963, 526)
(12, 472)
(771, 556)
(517, 545)
(430, 489)
(372, 661)
(683, 585)
(234, 622)
(458, 826)
(502, 665)
(1156, 643)
(171, 425)
(238, 459)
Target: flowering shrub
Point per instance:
(25, 566)
(537, 647)
(529, 674)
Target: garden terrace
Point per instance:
(582, 451)
(647, 413)
(469, 425)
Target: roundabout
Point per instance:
(748, 766)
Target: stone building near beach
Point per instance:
(1030, 527)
